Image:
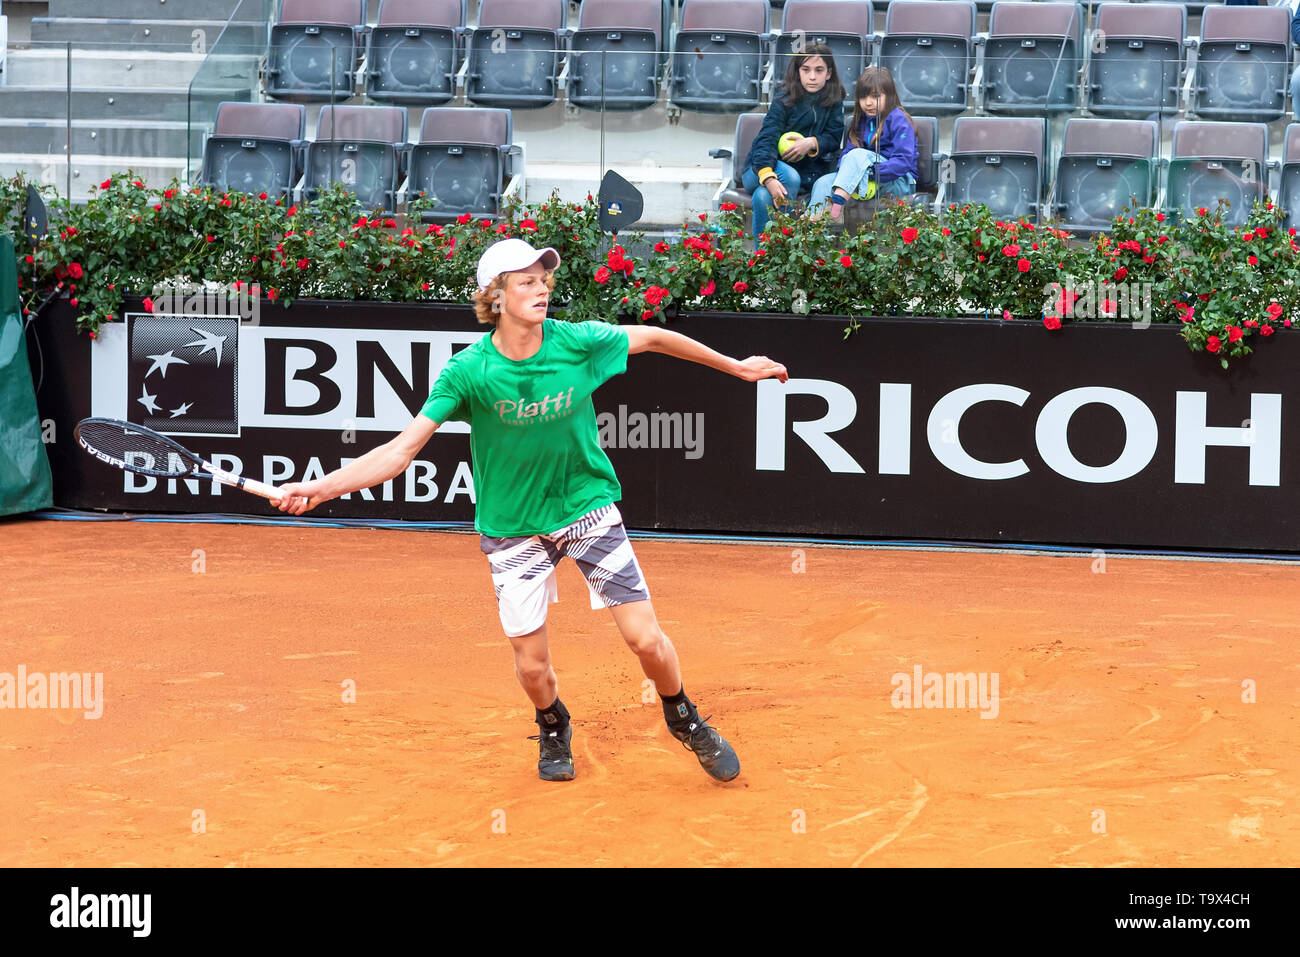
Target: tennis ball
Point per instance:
(871, 191)
(788, 140)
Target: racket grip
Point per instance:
(247, 484)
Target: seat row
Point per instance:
(465, 159)
(1103, 166)
(1036, 58)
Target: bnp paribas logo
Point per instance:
(183, 373)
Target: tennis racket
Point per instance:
(134, 448)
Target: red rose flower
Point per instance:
(304, 263)
(75, 271)
(425, 287)
(168, 194)
(909, 234)
(1011, 250)
(72, 303)
(1024, 265)
(528, 225)
(1235, 333)
(148, 304)
(464, 218)
(1201, 211)
(261, 196)
(1212, 344)
(740, 286)
(647, 314)
(708, 288)
(728, 207)
(342, 244)
(1261, 231)
(1160, 217)
(291, 211)
(1254, 261)
(846, 261)
(1006, 314)
(1266, 330)
(946, 231)
(1121, 272)
(1274, 310)
(1052, 322)
(106, 184)
(655, 295)
(661, 247)
(602, 275)
(272, 294)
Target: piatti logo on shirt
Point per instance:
(523, 412)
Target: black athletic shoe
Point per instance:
(716, 756)
(555, 757)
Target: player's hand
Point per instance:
(777, 191)
(761, 367)
(300, 497)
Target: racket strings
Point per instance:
(138, 451)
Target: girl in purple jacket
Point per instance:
(880, 148)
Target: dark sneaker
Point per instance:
(716, 756)
(555, 757)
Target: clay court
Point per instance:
(1120, 692)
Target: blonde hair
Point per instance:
(487, 307)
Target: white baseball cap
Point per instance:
(510, 255)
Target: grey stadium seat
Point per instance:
(414, 51)
(1242, 64)
(843, 25)
(1000, 162)
(732, 190)
(1105, 165)
(514, 53)
(1032, 58)
(617, 53)
(256, 148)
(464, 160)
(1288, 193)
(929, 48)
(308, 36)
(719, 55)
(1138, 71)
(1213, 161)
(362, 148)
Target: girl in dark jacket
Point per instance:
(809, 101)
(881, 148)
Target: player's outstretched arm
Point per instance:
(375, 467)
(655, 339)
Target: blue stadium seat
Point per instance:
(1241, 64)
(1032, 59)
(255, 148)
(363, 148)
(514, 53)
(1137, 59)
(843, 25)
(309, 36)
(929, 48)
(414, 51)
(616, 55)
(999, 161)
(719, 55)
(1105, 165)
(464, 161)
(1213, 161)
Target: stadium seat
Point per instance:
(307, 38)
(360, 147)
(1213, 161)
(719, 54)
(1241, 64)
(414, 51)
(929, 47)
(731, 190)
(1105, 165)
(1031, 60)
(1136, 60)
(255, 148)
(1288, 193)
(514, 53)
(616, 54)
(843, 25)
(465, 161)
(998, 161)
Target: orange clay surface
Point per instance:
(1120, 694)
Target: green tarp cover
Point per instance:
(24, 469)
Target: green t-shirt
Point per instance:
(538, 464)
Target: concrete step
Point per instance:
(101, 137)
(113, 103)
(174, 35)
(153, 9)
(88, 171)
(93, 69)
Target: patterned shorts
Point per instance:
(523, 569)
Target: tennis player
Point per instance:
(544, 487)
